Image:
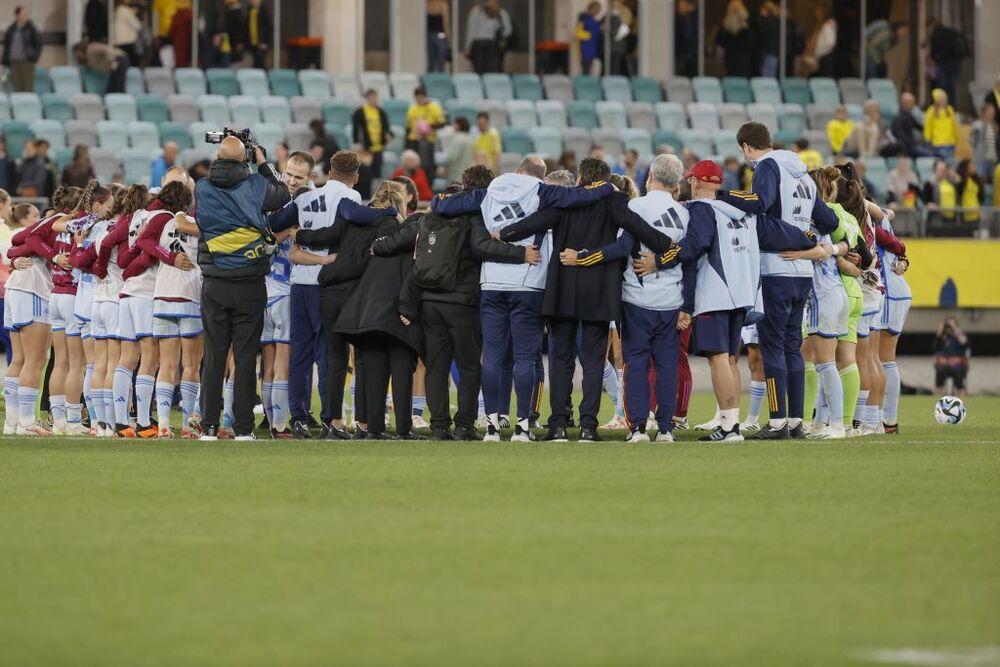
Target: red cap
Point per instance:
(706, 171)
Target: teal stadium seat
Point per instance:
(375, 80)
(547, 141)
(175, 132)
(190, 81)
(222, 81)
(791, 117)
(403, 84)
(884, 92)
(704, 116)
(253, 82)
(66, 80)
(439, 86)
(285, 83)
(50, 130)
(43, 83)
(824, 91)
(665, 137)
(671, 116)
(516, 140)
(339, 133)
(143, 134)
(616, 89)
(26, 107)
(707, 89)
(152, 108)
(521, 113)
(345, 86)
(697, 141)
(337, 112)
(137, 164)
(17, 133)
(527, 87)
(582, 114)
(645, 89)
(244, 110)
(96, 82)
(766, 90)
(611, 114)
(551, 113)
(269, 135)
(314, 83)
(4, 108)
(456, 108)
(57, 107)
(587, 88)
(214, 109)
(112, 135)
(640, 140)
(796, 91)
(134, 83)
(468, 86)
(396, 110)
(498, 86)
(275, 109)
(121, 107)
(736, 89)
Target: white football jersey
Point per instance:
(144, 283)
(171, 282)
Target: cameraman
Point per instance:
(234, 258)
(951, 357)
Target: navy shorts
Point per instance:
(718, 332)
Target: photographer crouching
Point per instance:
(234, 256)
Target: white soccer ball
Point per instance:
(949, 410)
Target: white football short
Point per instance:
(749, 335)
(104, 320)
(871, 316)
(176, 319)
(23, 308)
(135, 318)
(894, 313)
(277, 321)
(61, 314)
(826, 316)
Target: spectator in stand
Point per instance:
(880, 37)
(422, 119)
(22, 45)
(860, 169)
(951, 357)
(488, 140)
(366, 171)
(736, 39)
(619, 19)
(370, 128)
(409, 166)
(438, 34)
(127, 29)
(993, 97)
(323, 140)
(236, 25)
(732, 178)
(688, 158)
(868, 137)
(986, 140)
(488, 24)
(79, 172)
(218, 52)
(908, 130)
(901, 185)
(839, 129)
(810, 157)
(107, 59)
(939, 192)
(588, 35)
(769, 38)
(163, 16)
(95, 20)
(8, 168)
(629, 166)
(822, 42)
(36, 170)
(941, 126)
(971, 193)
(461, 151)
(567, 161)
(948, 48)
(686, 41)
(180, 33)
(258, 32)
(163, 163)
(281, 157)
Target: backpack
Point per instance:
(438, 252)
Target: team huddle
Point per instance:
(803, 271)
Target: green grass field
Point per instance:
(317, 553)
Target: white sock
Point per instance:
(729, 418)
(189, 399)
(757, 390)
(227, 405)
(833, 391)
(777, 424)
(26, 399)
(12, 414)
(74, 413)
(279, 404)
(494, 419)
(265, 398)
(145, 385)
(58, 406)
(890, 402)
(88, 393)
(793, 422)
(871, 416)
(97, 411)
(859, 407)
(122, 391)
(164, 398)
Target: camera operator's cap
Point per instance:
(706, 171)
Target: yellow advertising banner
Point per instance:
(954, 272)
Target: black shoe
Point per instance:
(570, 423)
(332, 432)
(300, 431)
(797, 433)
(381, 436)
(441, 434)
(768, 433)
(467, 433)
(324, 432)
(360, 433)
(209, 432)
(522, 434)
(589, 434)
(533, 420)
(281, 435)
(557, 434)
(412, 436)
(311, 422)
(721, 435)
(891, 429)
(856, 424)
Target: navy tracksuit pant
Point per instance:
(308, 347)
(780, 334)
(563, 351)
(512, 324)
(650, 335)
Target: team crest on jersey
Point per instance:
(432, 238)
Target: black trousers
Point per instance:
(384, 357)
(233, 314)
(563, 351)
(452, 332)
(337, 351)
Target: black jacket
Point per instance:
(352, 243)
(592, 292)
(265, 28)
(481, 248)
(374, 307)
(360, 128)
(95, 20)
(32, 42)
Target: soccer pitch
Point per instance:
(379, 553)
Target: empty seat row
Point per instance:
(550, 142)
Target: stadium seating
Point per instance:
(577, 139)
(587, 89)
(143, 134)
(737, 90)
(611, 141)
(43, 82)
(508, 163)
(314, 83)
(819, 115)
(112, 135)
(884, 92)
(704, 116)
(253, 82)
(81, 132)
(679, 89)
(791, 117)
(25, 106)
(516, 140)
(175, 132)
(345, 86)
(582, 114)
(16, 133)
(671, 115)
(396, 110)
(611, 114)
(796, 91)
(664, 137)
(763, 113)
(645, 89)
(50, 130)
(852, 90)
(824, 91)
(438, 86)
(106, 163)
(298, 136)
(244, 111)
(134, 83)
(547, 141)
(403, 84)
(66, 80)
(732, 115)
(56, 107)
(639, 139)
(269, 135)
(641, 114)
(152, 108)
(275, 109)
(468, 86)
(95, 82)
(498, 86)
(305, 109)
(336, 111)
(214, 109)
(88, 106)
(496, 111)
(765, 90)
(697, 141)
(551, 113)
(4, 108)
(378, 81)
(198, 132)
(464, 108)
(137, 164)
(558, 87)
(707, 89)
(616, 89)
(527, 87)
(121, 107)
(877, 171)
(190, 81)
(222, 81)
(285, 82)
(159, 81)
(725, 142)
(521, 113)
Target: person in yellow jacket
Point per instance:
(939, 192)
(489, 139)
(941, 125)
(970, 190)
(839, 129)
(996, 187)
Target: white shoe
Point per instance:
(814, 428)
(35, 429)
(681, 424)
(521, 435)
(208, 438)
(504, 421)
(880, 429)
(665, 436)
(59, 428)
(750, 426)
(651, 422)
(420, 422)
(492, 433)
(9, 429)
(482, 422)
(828, 433)
(76, 429)
(710, 425)
(615, 424)
(245, 438)
(637, 436)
